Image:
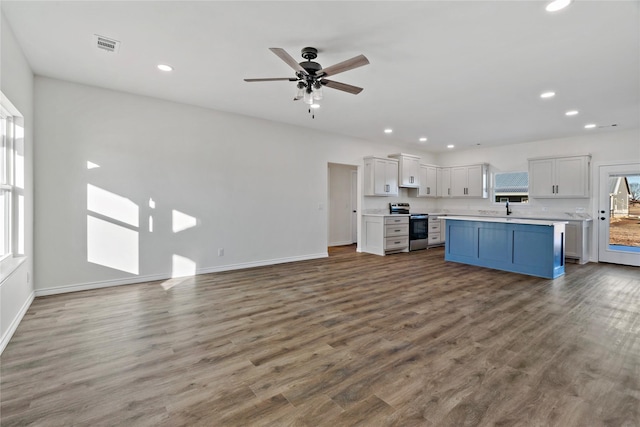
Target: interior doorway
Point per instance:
(342, 204)
(618, 220)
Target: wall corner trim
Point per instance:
(16, 321)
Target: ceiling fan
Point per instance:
(311, 76)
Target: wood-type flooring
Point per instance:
(350, 340)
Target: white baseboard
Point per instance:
(155, 277)
(16, 321)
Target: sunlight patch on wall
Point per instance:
(112, 245)
(112, 205)
(91, 165)
(182, 221)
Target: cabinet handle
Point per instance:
(411, 179)
(428, 190)
(448, 191)
(557, 190)
(397, 243)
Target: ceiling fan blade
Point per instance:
(272, 79)
(282, 54)
(343, 66)
(341, 86)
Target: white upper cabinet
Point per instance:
(428, 181)
(380, 176)
(444, 182)
(559, 177)
(409, 170)
(469, 181)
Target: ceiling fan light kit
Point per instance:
(310, 76)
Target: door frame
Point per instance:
(602, 217)
(352, 182)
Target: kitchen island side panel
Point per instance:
(536, 250)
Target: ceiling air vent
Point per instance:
(107, 44)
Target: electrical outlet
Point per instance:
(220, 251)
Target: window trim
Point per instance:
(493, 189)
(14, 257)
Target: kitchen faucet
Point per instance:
(508, 210)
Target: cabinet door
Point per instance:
(431, 181)
(444, 182)
(477, 181)
(571, 177)
(542, 178)
(422, 175)
(459, 181)
(428, 181)
(391, 177)
(409, 171)
(380, 177)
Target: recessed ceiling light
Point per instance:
(571, 113)
(314, 105)
(450, 146)
(556, 5)
(547, 94)
(423, 139)
(165, 67)
(589, 126)
(388, 130)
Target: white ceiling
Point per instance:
(458, 72)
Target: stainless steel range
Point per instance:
(418, 226)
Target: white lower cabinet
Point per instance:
(383, 234)
(435, 231)
(577, 241)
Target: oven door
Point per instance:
(418, 228)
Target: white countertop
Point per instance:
(505, 220)
(384, 214)
(551, 217)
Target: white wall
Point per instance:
(16, 83)
(605, 146)
(251, 187)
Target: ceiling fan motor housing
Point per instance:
(310, 66)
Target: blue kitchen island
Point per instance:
(527, 246)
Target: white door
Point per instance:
(618, 240)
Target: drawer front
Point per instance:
(434, 227)
(434, 238)
(396, 220)
(401, 230)
(392, 243)
(434, 219)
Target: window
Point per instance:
(11, 181)
(512, 187)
